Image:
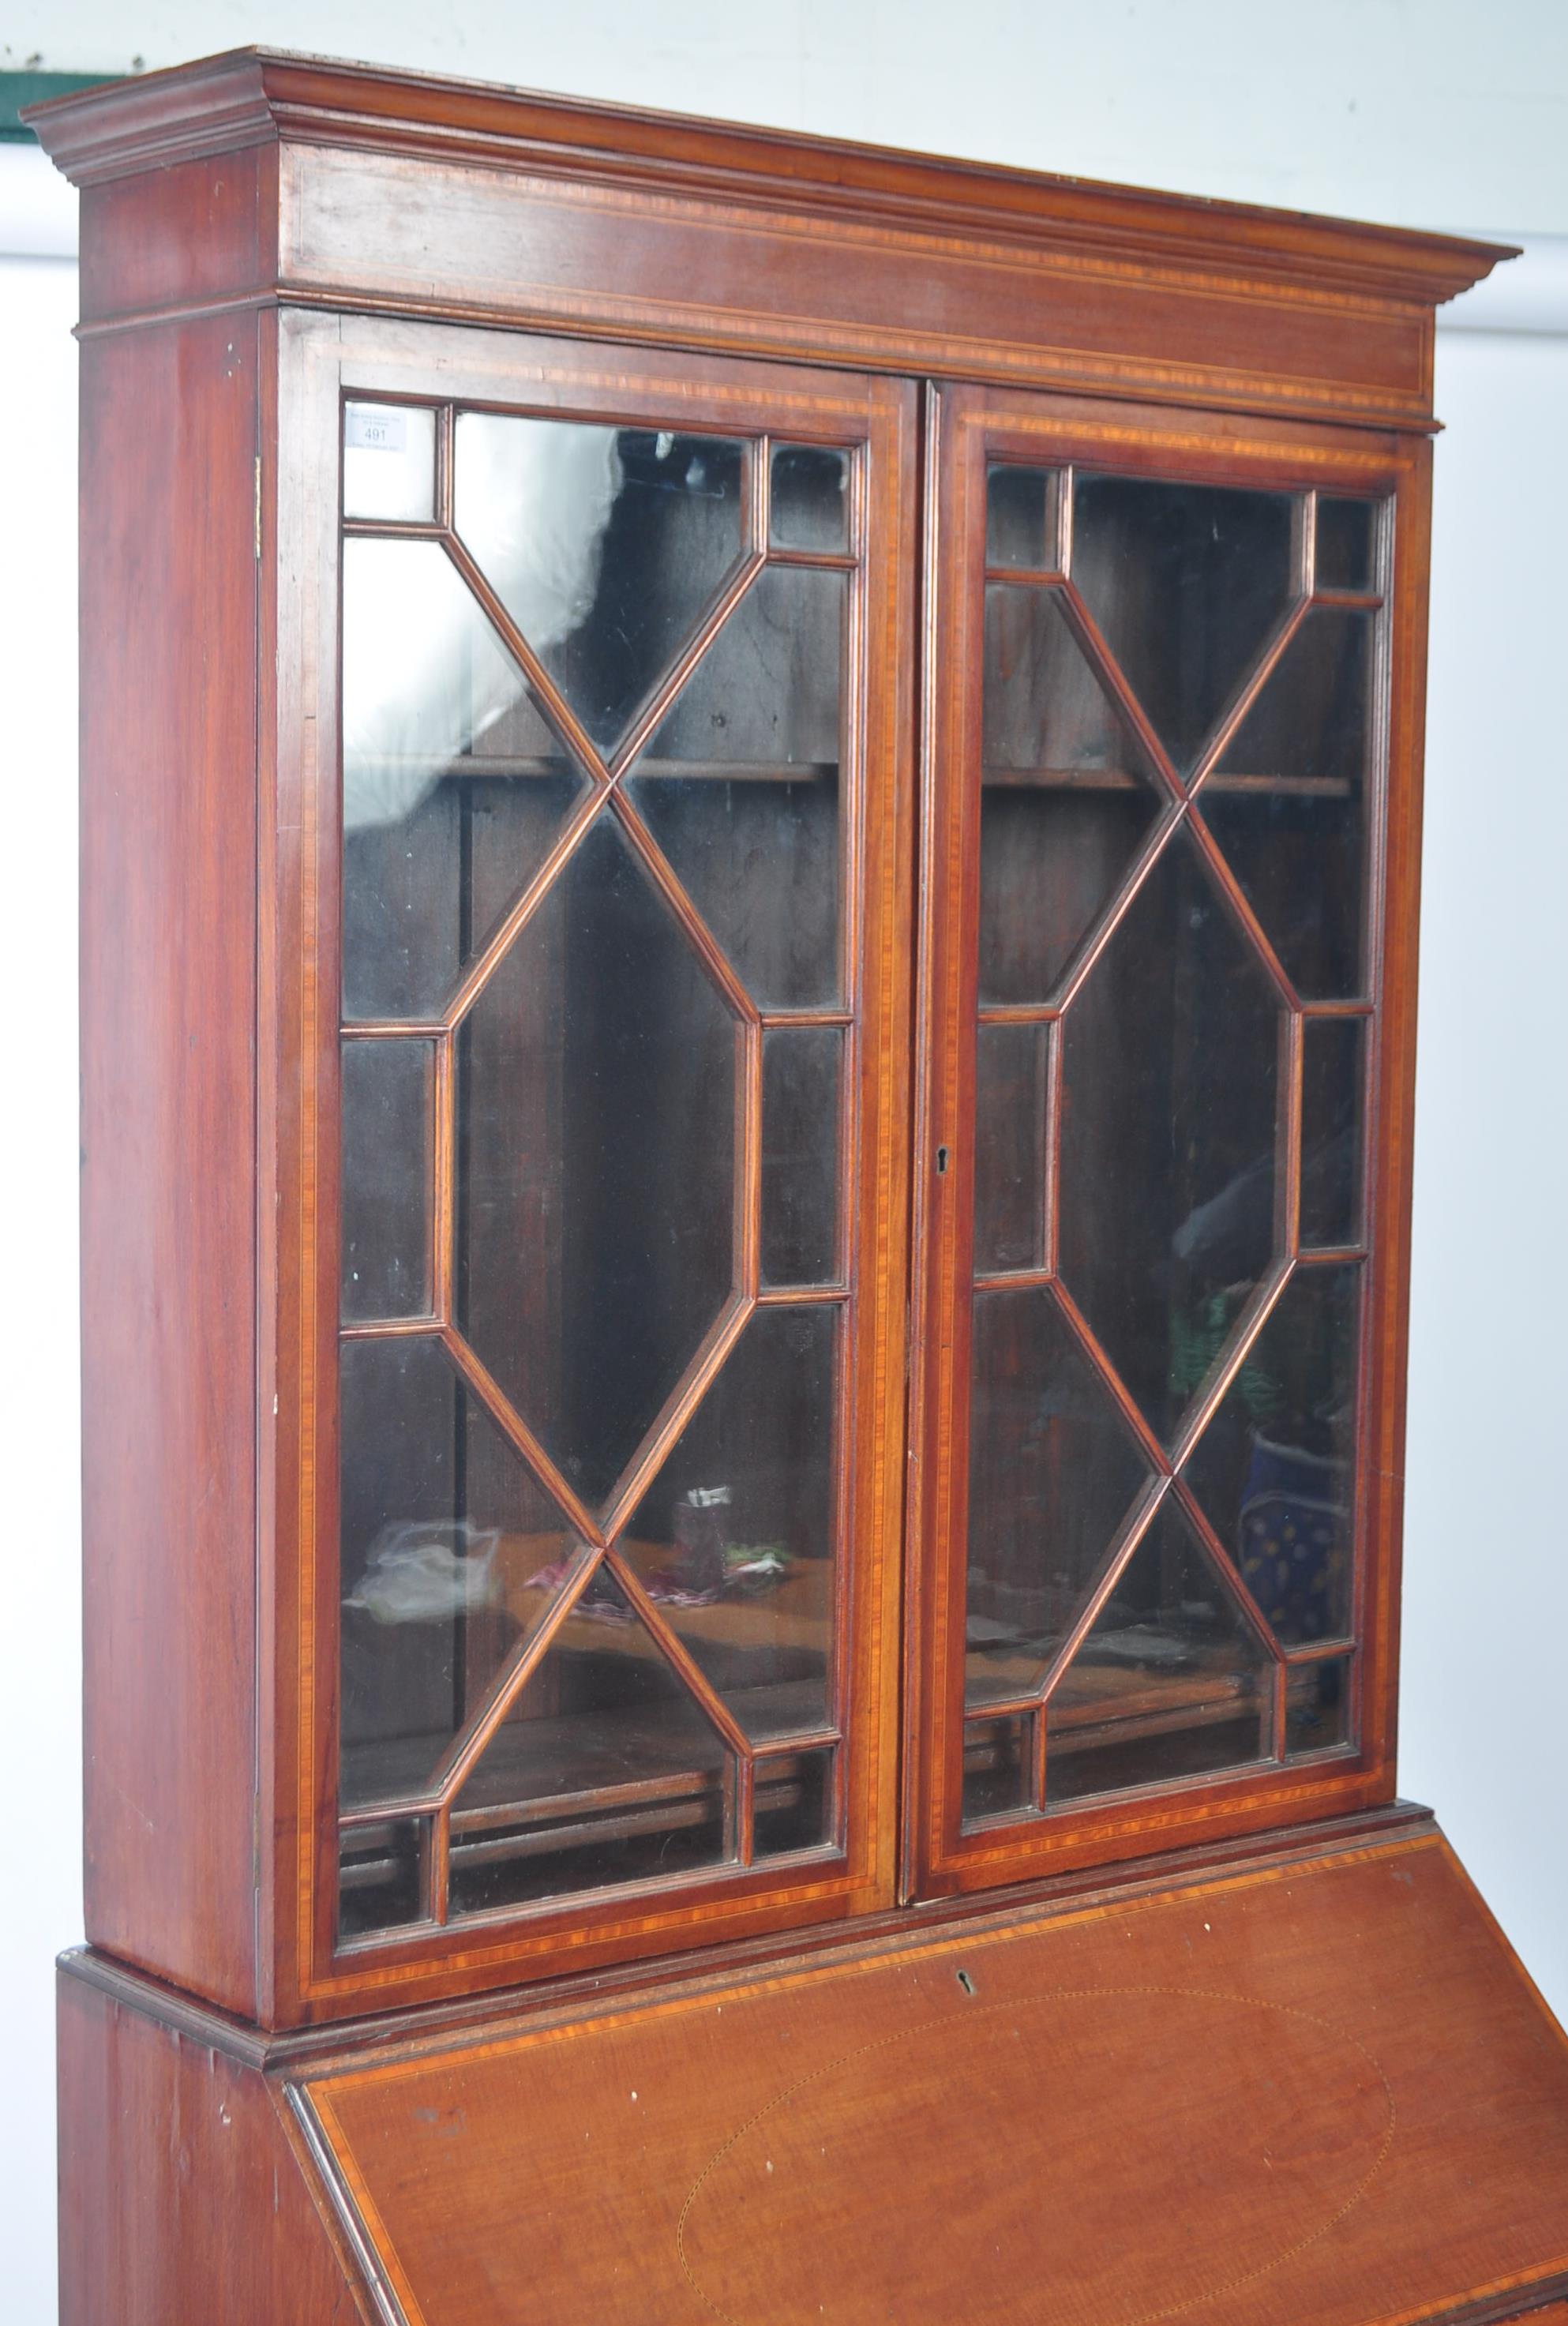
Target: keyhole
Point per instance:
(966, 1982)
(941, 1159)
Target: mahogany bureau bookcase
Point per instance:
(751, 818)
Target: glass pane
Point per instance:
(444, 1533)
(1170, 1074)
(1345, 537)
(606, 545)
(1021, 518)
(1186, 582)
(1009, 1147)
(1053, 1474)
(794, 1807)
(1288, 804)
(811, 497)
(454, 787)
(1170, 1683)
(388, 1098)
(1317, 1705)
(389, 463)
(381, 1877)
(1334, 1082)
(1066, 796)
(734, 1540)
(741, 785)
(799, 1154)
(997, 1781)
(605, 1771)
(596, 1131)
(1275, 1470)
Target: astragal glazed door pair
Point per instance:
(843, 926)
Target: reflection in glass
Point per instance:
(1066, 795)
(606, 545)
(596, 1107)
(800, 1069)
(1170, 1074)
(1332, 1088)
(794, 1802)
(1009, 1147)
(1053, 1474)
(741, 785)
(1275, 1470)
(1166, 1091)
(596, 1116)
(1171, 1680)
(442, 1527)
(1346, 538)
(811, 497)
(1317, 1705)
(387, 1094)
(389, 463)
(997, 1782)
(605, 1771)
(1021, 518)
(1288, 803)
(734, 1539)
(1187, 582)
(454, 786)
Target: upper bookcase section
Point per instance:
(259, 176)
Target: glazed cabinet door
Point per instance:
(1169, 871)
(592, 932)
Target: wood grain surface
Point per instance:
(181, 2194)
(223, 202)
(1313, 2086)
(1325, 2094)
(168, 1186)
(342, 185)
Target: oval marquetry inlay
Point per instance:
(1103, 2156)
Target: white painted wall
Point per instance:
(1416, 111)
(1420, 111)
(40, 1413)
(1482, 1732)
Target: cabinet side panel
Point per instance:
(194, 234)
(179, 2196)
(168, 648)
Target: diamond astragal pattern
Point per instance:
(1170, 1184)
(598, 1223)
(1169, 1104)
(606, 545)
(602, 1037)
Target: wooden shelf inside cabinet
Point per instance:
(477, 766)
(1110, 779)
(749, 895)
(379, 1785)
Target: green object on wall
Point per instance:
(18, 89)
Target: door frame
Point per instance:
(965, 425)
(321, 360)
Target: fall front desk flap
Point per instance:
(1321, 2093)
